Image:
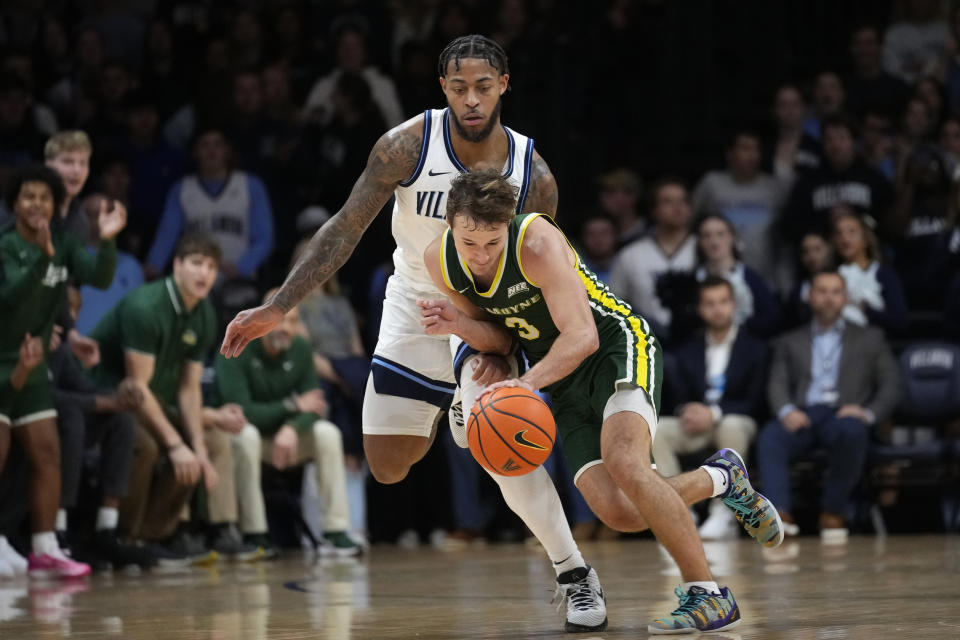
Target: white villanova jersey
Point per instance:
(224, 217)
(420, 208)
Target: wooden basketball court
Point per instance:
(897, 587)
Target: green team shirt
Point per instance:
(263, 385)
(32, 285)
(519, 304)
(152, 319)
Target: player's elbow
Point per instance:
(590, 340)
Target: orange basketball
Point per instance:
(511, 431)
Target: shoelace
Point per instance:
(688, 602)
(743, 505)
(579, 593)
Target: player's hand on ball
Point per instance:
(438, 317)
(512, 382)
(489, 368)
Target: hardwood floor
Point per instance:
(872, 588)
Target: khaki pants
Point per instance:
(222, 499)
(323, 445)
(732, 431)
(155, 500)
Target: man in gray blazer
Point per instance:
(830, 382)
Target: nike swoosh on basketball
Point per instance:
(431, 172)
(519, 438)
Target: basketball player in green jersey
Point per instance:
(515, 279)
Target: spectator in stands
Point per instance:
(619, 198)
(757, 307)
(155, 165)
(914, 131)
(870, 86)
(415, 77)
(20, 63)
(73, 96)
(816, 255)
(873, 289)
(38, 259)
(829, 383)
(229, 205)
(68, 153)
(792, 151)
(912, 47)
(878, 142)
(159, 335)
(597, 244)
(842, 179)
(128, 275)
(932, 92)
(246, 39)
(749, 199)
(643, 269)
(20, 140)
(829, 99)
(108, 123)
(162, 70)
(718, 390)
(950, 146)
(275, 381)
(923, 216)
(350, 41)
(30, 356)
(88, 418)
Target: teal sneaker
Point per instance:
(753, 511)
(699, 610)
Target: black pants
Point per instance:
(82, 433)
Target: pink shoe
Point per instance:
(49, 566)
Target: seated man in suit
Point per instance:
(718, 386)
(830, 382)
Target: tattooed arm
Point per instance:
(392, 160)
(542, 197)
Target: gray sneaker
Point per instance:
(230, 545)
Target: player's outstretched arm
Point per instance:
(543, 189)
(550, 264)
(392, 160)
(457, 315)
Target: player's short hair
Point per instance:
(485, 197)
(198, 243)
(36, 173)
(473, 46)
(712, 282)
(63, 141)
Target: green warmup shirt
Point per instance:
(32, 286)
(628, 356)
(264, 385)
(152, 319)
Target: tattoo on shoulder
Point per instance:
(543, 195)
(391, 161)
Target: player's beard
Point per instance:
(481, 135)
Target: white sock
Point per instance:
(107, 518)
(721, 481)
(534, 498)
(61, 520)
(10, 555)
(45, 543)
(710, 587)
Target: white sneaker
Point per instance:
(586, 604)
(6, 571)
(455, 417)
(16, 561)
(720, 524)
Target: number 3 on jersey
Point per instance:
(524, 329)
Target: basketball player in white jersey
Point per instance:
(412, 379)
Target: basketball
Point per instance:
(511, 431)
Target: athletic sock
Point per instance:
(61, 524)
(107, 518)
(721, 481)
(534, 498)
(709, 587)
(45, 543)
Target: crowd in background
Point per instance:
(248, 123)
